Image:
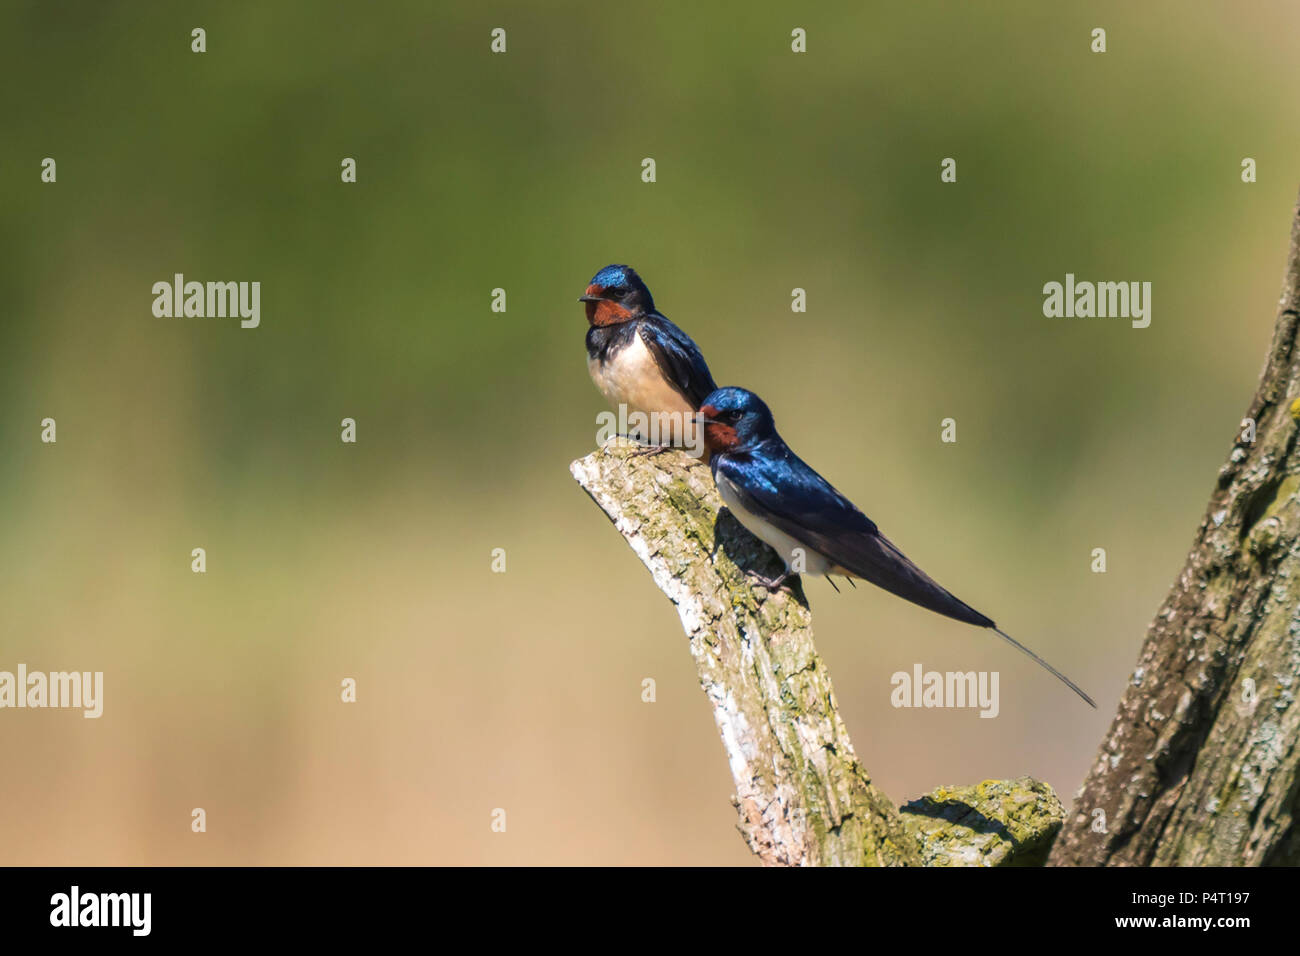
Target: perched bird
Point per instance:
(779, 498)
(639, 359)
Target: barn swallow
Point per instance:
(639, 359)
(779, 498)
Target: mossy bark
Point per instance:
(1200, 766)
(994, 823)
(801, 795)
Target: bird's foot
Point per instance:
(636, 440)
(773, 584)
(650, 450)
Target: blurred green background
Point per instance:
(522, 690)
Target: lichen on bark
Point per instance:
(994, 823)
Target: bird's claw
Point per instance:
(772, 584)
(651, 450)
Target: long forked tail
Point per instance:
(1059, 676)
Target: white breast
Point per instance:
(631, 377)
(784, 545)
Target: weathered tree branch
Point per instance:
(802, 796)
(1200, 765)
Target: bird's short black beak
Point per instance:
(702, 419)
(589, 298)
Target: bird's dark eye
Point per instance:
(734, 416)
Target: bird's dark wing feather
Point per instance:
(679, 357)
(778, 485)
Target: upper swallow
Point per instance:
(783, 501)
(637, 357)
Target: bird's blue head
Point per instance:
(735, 420)
(616, 294)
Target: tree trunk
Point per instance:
(1200, 764)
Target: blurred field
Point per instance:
(522, 690)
